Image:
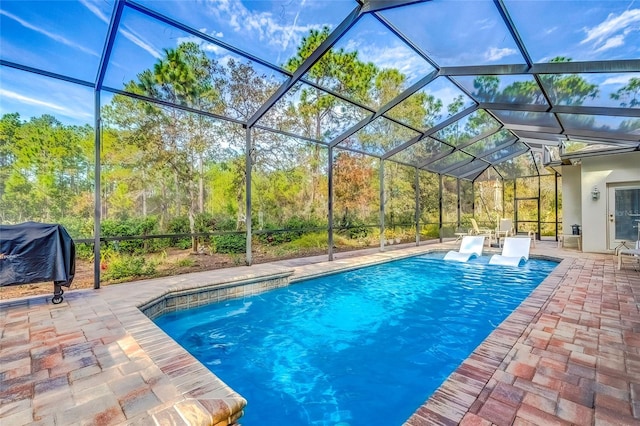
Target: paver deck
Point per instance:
(570, 354)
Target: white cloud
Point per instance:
(224, 60)
(210, 47)
(32, 95)
(485, 24)
(93, 8)
(31, 101)
(290, 34)
(56, 37)
(611, 43)
(603, 36)
(138, 41)
(263, 26)
(495, 54)
(204, 45)
(40, 103)
(619, 79)
(398, 57)
(447, 94)
(352, 45)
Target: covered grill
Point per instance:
(33, 252)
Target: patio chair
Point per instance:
(633, 253)
(485, 232)
(471, 246)
(514, 252)
(504, 229)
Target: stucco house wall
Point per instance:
(601, 172)
(571, 198)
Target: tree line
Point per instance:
(187, 170)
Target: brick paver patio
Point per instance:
(570, 354)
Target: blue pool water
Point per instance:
(357, 348)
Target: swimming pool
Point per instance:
(363, 347)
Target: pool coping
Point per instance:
(207, 399)
(464, 387)
(190, 393)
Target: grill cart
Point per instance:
(33, 252)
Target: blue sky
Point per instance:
(67, 37)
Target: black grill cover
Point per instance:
(33, 252)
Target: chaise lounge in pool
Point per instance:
(515, 252)
(470, 246)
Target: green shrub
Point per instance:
(351, 226)
(84, 251)
(130, 227)
(121, 266)
(430, 230)
(204, 222)
(185, 262)
(314, 240)
(291, 230)
(230, 243)
(225, 223)
(182, 243)
(179, 225)
(274, 238)
(356, 230)
(77, 228)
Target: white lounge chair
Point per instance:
(514, 251)
(505, 229)
(633, 253)
(469, 247)
(476, 230)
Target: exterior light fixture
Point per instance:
(595, 193)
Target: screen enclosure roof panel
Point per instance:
(438, 85)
